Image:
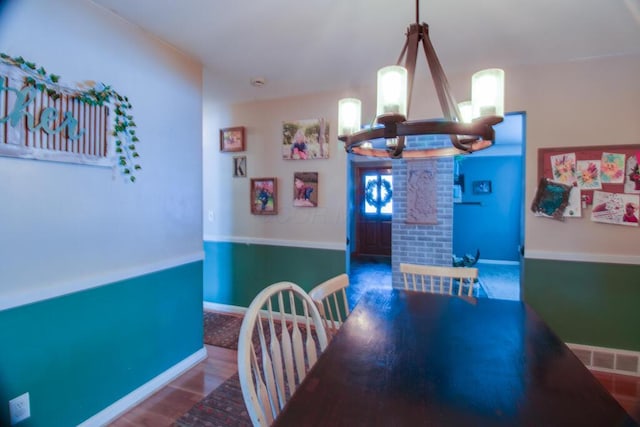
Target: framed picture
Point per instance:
(232, 139)
(264, 196)
(481, 187)
(240, 166)
(305, 139)
(305, 189)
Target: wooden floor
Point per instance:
(171, 402)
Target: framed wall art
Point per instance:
(305, 139)
(240, 167)
(482, 187)
(232, 139)
(264, 196)
(305, 189)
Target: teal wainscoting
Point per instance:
(79, 353)
(586, 303)
(234, 273)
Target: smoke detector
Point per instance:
(257, 82)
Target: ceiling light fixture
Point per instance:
(386, 137)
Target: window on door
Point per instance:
(378, 193)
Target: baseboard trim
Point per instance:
(498, 262)
(623, 362)
(141, 393)
(224, 308)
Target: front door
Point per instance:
(375, 210)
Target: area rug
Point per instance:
(222, 330)
(222, 407)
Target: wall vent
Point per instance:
(604, 359)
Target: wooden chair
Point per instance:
(439, 279)
(277, 347)
(330, 297)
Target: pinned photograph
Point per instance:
(615, 208)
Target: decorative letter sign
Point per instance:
(41, 119)
(34, 125)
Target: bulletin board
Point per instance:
(598, 182)
(545, 168)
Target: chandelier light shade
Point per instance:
(386, 136)
(349, 113)
(466, 111)
(392, 90)
(487, 93)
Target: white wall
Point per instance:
(65, 225)
(590, 102)
(227, 198)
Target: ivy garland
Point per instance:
(98, 95)
(385, 197)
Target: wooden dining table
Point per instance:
(406, 358)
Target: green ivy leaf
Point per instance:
(137, 167)
(132, 178)
(119, 150)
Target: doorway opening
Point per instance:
(500, 242)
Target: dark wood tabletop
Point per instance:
(407, 358)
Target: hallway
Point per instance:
(499, 281)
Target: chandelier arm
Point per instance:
(447, 102)
(403, 51)
(413, 39)
(439, 127)
(363, 135)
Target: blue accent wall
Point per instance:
(79, 353)
(234, 273)
(489, 222)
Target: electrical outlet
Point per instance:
(19, 408)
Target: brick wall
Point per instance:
(422, 243)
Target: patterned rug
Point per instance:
(222, 407)
(222, 330)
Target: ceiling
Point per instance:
(311, 46)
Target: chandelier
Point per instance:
(386, 136)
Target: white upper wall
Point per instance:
(227, 214)
(64, 225)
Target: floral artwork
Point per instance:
(305, 189)
(305, 139)
(615, 208)
(588, 174)
(551, 199)
(564, 168)
(632, 182)
(612, 168)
